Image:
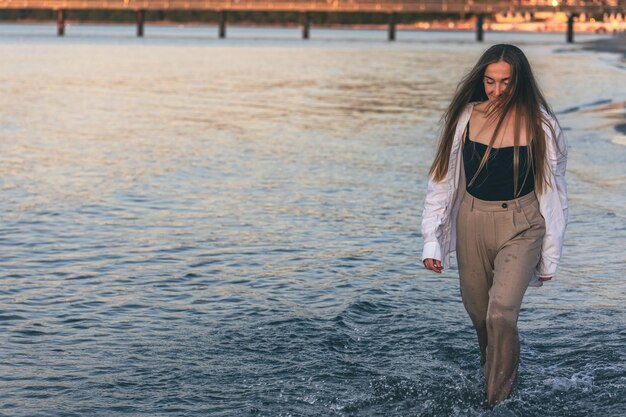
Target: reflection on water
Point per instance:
(195, 227)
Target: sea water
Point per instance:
(192, 226)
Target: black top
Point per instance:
(495, 180)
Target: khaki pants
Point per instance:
(498, 248)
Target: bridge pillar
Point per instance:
(222, 30)
(305, 22)
(570, 28)
(140, 18)
(391, 29)
(479, 27)
(60, 22)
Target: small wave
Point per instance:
(621, 128)
(7, 317)
(569, 110)
(365, 307)
(619, 140)
(577, 381)
(30, 332)
(574, 109)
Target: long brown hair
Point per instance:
(523, 96)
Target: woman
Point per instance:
(497, 194)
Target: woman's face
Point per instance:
(496, 79)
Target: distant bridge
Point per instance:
(391, 7)
(388, 6)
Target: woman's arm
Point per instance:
(561, 165)
(433, 265)
(432, 219)
(558, 163)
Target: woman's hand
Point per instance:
(433, 265)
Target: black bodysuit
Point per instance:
(495, 180)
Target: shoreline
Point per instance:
(615, 44)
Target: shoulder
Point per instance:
(550, 122)
(466, 113)
(554, 135)
(548, 116)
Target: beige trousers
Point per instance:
(498, 248)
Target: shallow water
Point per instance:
(201, 227)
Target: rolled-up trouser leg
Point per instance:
(498, 245)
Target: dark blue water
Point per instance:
(195, 228)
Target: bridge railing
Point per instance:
(479, 6)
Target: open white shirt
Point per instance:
(443, 198)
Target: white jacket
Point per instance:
(443, 199)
